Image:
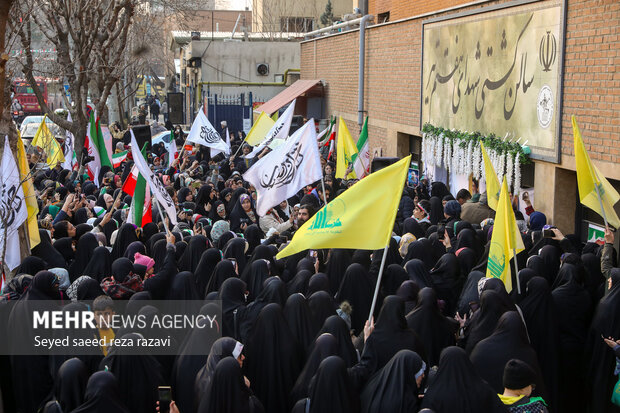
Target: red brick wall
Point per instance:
(401, 9)
(393, 63)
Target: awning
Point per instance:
(287, 96)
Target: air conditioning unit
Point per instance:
(262, 69)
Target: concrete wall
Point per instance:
(392, 80)
(267, 13)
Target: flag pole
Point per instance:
(161, 215)
(514, 258)
(374, 298)
(600, 202)
(323, 185)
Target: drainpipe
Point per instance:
(360, 81)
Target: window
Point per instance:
(383, 17)
(297, 24)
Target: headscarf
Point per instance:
(457, 387)
(31, 265)
(208, 261)
(331, 389)
(537, 221)
(357, 289)
(435, 331)
(100, 264)
(394, 388)
(322, 306)
(274, 360)
(102, 395)
(125, 236)
(191, 257)
(324, 346)
(408, 291)
(299, 318)
(259, 272)
(337, 264)
(46, 251)
(83, 253)
(221, 348)
(418, 273)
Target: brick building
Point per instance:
(588, 85)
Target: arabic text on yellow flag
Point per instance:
(506, 238)
(345, 149)
(491, 180)
(361, 218)
(589, 178)
(29, 193)
(259, 130)
(45, 140)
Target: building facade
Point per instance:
(294, 15)
(416, 71)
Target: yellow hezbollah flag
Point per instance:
(29, 193)
(345, 149)
(361, 218)
(275, 116)
(45, 140)
(589, 179)
(506, 238)
(491, 180)
(259, 130)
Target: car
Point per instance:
(28, 131)
(30, 119)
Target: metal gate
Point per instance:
(234, 109)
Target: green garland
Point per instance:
(491, 141)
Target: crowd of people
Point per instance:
(295, 334)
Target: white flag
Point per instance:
(284, 171)
(68, 149)
(13, 211)
(227, 152)
(278, 133)
(203, 133)
(172, 151)
(153, 182)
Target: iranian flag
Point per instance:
(361, 160)
(94, 166)
(118, 158)
(101, 146)
(140, 211)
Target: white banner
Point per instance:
(203, 133)
(153, 182)
(68, 148)
(278, 133)
(217, 151)
(13, 210)
(281, 173)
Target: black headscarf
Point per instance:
(138, 377)
(542, 319)
(458, 388)
(508, 341)
(484, 321)
(235, 248)
(435, 331)
(422, 250)
(47, 252)
(233, 306)
(228, 392)
(599, 372)
(411, 226)
(221, 348)
(469, 293)
(331, 390)
(337, 327)
(191, 257)
(467, 260)
(89, 289)
(65, 247)
(551, 257)
(322, 306)
(390, 335)
(126, 235)
(418, 273)
(102, 395)
(299, 318)
(100, 264)
(594, 277)
(573, 302)
(273, 359)
(31, 265)
(339, 261)
(299, 283)
(445, 276)
(70, 385)
(393, 276)
(133, 248)
(324, 346)
(408, 291)
(362, 257)
(223, 270)
(318, 282)
(394, 388)
(357, 289)
(83, 253)
(436, 214)
(209, 259)
(252, 235)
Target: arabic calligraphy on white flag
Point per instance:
(203, 133)
(152, 181)
(281, 173)
(278, 133)
(13, 211)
